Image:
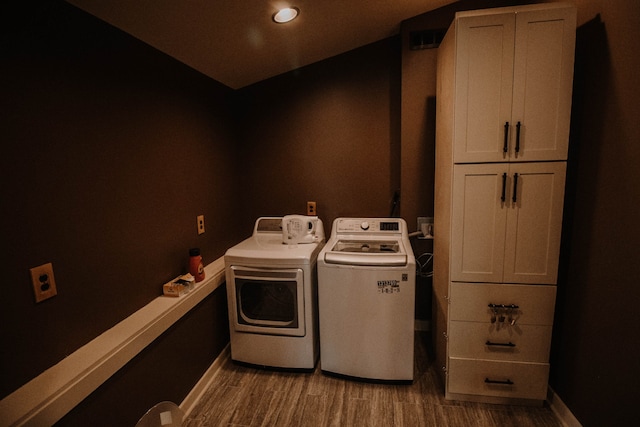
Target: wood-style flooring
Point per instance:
(247, 396)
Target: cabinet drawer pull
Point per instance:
(515, 187)
(518, 137)
(500, 344)
(502, 382)
(505, 148)
(503, 197)
(511, 306)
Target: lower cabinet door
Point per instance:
(499, 379)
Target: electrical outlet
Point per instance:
(311, 209)
(44, 284)
(200, 219)
(425, 225)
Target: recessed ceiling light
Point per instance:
(286, 15)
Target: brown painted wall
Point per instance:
(93, 120)
(110, 150)
(596, 343)
(328, 132)
(164, 371)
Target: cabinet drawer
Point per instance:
(494, 341)
(470, 302)
(498, 379)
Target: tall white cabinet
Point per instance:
(502, 132)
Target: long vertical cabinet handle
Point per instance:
(518, 137)
(503, 197)
(515, 187)
(505, 148)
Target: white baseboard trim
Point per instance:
(204, 383)
(52, 394)
(561, 410)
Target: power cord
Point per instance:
(424, 264)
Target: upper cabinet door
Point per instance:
(506, 222)
(542, 84)
(513, 85)
(534, 222)
(478, 222)
(483, 87)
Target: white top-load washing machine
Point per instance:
(272, 293)
(366, 299)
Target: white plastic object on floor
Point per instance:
(164, 414)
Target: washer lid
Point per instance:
(367, 252)
(367, 246)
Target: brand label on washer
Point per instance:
(388, 286)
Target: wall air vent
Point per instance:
(425, 39)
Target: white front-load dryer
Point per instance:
(272, 298)
(366, 300)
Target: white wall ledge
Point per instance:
(51, 395)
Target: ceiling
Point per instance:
(236, 43)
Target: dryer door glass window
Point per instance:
(267, 302)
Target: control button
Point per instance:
(364, 225)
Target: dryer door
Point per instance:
(268, 301)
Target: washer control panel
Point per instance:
(369, 225)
